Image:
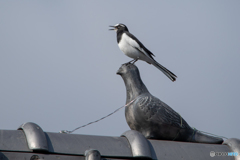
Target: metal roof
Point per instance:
(31, 142)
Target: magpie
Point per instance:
(133, 48)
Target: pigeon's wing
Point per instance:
(156, 111)
(134, 42)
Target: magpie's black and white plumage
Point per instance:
(133, 48)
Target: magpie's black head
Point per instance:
(119, 26)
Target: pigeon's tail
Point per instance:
(168, 73)
(203, 138)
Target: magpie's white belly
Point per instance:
(127, 47)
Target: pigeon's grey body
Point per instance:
(152, 117)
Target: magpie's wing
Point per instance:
(134, 42)
(156, 111)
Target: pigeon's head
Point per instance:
(128, 69)
(119, 26)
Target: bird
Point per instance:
(133, 48)
(152, 117)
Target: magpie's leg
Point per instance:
(130, 61)
(135, 60)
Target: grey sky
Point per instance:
(58, 62)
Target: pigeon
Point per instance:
(154, 118)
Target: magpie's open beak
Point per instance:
(112, 28)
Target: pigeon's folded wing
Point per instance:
(157, 111)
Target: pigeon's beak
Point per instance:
(121, 69)
(114, 28)
(119, 72)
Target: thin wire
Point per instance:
(65, 131)
(194, 129)
(179, 129)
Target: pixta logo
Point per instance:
(213, 154)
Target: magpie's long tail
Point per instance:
(168, 73)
